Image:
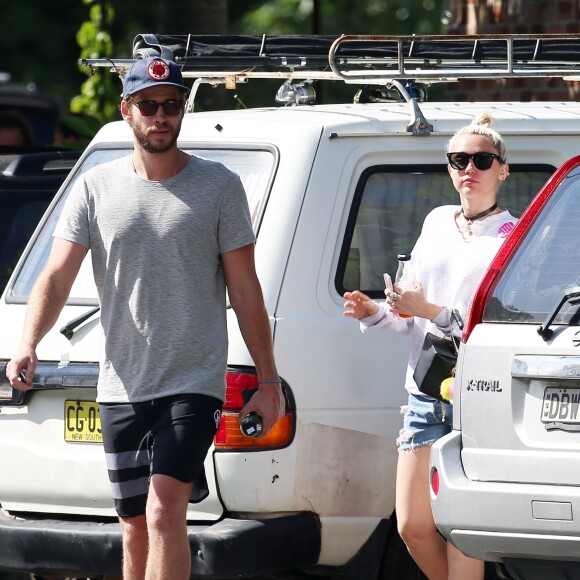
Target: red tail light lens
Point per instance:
(435, 481)
(236, 382)
(229, 436)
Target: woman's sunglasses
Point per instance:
(171, 107)
(482, 160)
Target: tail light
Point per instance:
(512, 243)
(229, 436)
(435, 481)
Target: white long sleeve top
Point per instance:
(449, 268)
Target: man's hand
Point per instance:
(268, 401)
(48, 296)
(20, 370)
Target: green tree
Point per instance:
(344, 17)
(39, 47)
(199, 17)
(332, 17)
(99, 94)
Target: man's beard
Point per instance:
(143, 139)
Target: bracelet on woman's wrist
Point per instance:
(268, 381)
(448, 316)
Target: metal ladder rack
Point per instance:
(362, 59)
(441, 58)
(380, 60)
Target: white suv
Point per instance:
(336, 192)
(506, 481)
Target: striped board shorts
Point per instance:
(169, 436)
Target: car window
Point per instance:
(16, 236)
(255, 168)
(389, 207)
(545, 265)
(38, 254)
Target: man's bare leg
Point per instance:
(135, 547)
(169, 554)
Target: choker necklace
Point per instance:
(471, 218)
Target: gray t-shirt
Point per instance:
(155, 249)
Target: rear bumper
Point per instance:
(503, 521)
(226, 549)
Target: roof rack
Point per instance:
(362, 58)
(441, 58)
(393, 61)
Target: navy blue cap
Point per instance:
(152, 72)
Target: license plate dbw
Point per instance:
(561, 408)
(82, 422)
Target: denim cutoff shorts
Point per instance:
(425, 420)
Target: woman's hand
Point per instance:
(359, 305)
(411, 301)
(406, 300)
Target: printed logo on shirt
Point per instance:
(216, 417)
(506, 229)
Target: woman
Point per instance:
(456, 245)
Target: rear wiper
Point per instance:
(572, 295)
(68, 329)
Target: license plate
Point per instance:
(561, 405)
(82, 422)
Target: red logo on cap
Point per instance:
(158, 70)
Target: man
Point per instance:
(167, 233)
(15, 130)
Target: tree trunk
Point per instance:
(196, 17)
(193, 16)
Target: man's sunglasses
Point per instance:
(171, 107)
(482, 160)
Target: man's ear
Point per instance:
(125, 110)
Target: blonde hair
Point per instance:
(482, 126)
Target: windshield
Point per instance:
(255, 168)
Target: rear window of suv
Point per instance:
(255, 168)
(546, 264)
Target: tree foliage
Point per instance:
(99, 95)
(42, 41)
(333, 17)
(344, 17)
(38, 45)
